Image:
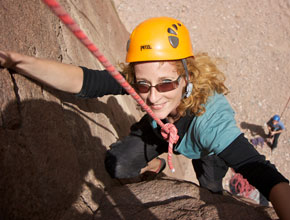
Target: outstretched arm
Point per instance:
(277, 132)
(65, 77)
(243, 157)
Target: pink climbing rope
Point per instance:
(59, 11)
(171, 140)
(285, 107)
(241, 185)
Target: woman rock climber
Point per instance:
(181, 88)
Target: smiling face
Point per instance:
(163, 104)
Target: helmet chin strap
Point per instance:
(189, 86)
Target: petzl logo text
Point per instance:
(144, 47)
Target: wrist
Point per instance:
(20, 59)
(23, 63)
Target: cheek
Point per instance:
(175, 95)
(179, 92)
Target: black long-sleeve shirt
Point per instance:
(97, 83)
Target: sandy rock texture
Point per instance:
(52, 144)
(252, 39)
(167, 198)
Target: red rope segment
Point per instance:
(60, 12)
(242, 186)
(172, 138)
(285, 107)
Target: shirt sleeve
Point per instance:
(97, 83)
(282, 127)
(244, 159)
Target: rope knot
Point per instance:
(169, 133)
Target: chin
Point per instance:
(161, 116)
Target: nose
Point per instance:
(153, 95)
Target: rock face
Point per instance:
(167, 198)
(53, 144)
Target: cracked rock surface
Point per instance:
(52, 144)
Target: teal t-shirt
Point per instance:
(211, 132)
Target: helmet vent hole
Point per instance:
(175, 27)
(128, 45)
(174, 41)
(179, 24)
(171, 31)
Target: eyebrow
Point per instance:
(160, 78)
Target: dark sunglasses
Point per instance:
(161, 87)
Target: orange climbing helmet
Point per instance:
(160, 38)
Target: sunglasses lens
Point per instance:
(161, 87)
(165, 87)
(142, 88)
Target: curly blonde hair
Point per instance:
(204, 75)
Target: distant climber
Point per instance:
(275, 128)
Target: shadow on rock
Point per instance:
(254, 129)
(118, 118)
(51, 166)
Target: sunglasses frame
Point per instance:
(158, 86)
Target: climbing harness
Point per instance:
(169, 132)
